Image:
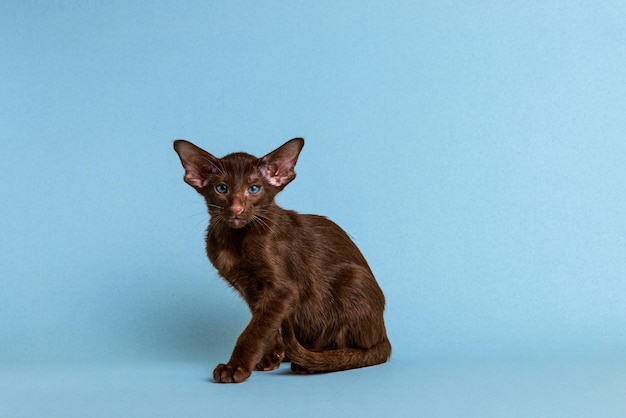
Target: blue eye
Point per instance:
(221, 188)
(254, 189)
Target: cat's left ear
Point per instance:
(278, 166)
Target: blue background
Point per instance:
(475, 151)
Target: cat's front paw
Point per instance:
(273, 357)
(225, 373)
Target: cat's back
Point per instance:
(320, 234)
(317, 225)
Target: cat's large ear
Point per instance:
(198, 163)
(278, 166)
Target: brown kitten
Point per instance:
(312, 295)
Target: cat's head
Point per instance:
(239, 187)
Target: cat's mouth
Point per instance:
(237, 223)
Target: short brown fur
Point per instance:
(313, 297)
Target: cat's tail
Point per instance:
(331, 360)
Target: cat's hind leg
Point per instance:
(297, 369)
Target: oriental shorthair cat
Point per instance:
(313, 298)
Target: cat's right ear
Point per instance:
(198, 163)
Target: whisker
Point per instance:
(267, 221)
(218, 220)
(215, 206)
(262, 219)
(258, 221)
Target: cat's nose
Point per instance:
(236, 208)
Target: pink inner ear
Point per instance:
(194, 177)
(195, 180)
(272, 176)
(277, 166)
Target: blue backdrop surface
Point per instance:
(475, 151)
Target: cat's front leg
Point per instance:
(271, 360)
(259, 345)
(246, 357)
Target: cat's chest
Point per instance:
(233, 256)
(225, 260)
